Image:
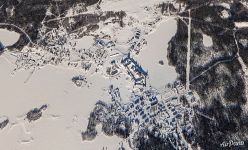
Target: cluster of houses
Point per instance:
(169, 113)
(137, 73)
(114, 93)
(147, 109)
(95, 55)
(86, 65)
(137, 42)
(104, 43)
(113, 70)
(177, 118)
(141, 109)
(80, 80)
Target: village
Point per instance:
(171, 112)
(94, 49)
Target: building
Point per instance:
(154, 104)
(137, 73)
(105, 43)
(79, 80)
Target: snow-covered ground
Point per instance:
(8, 38)
(130, 6)
(207, 40)
(67, 113)
(156, 50)
(241, 24)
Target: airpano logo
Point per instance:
(232, 143)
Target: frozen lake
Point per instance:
(207, 40)
(156, 50)
(67, 114)
(8, 38)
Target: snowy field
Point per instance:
(8, 38)
(67, 113)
